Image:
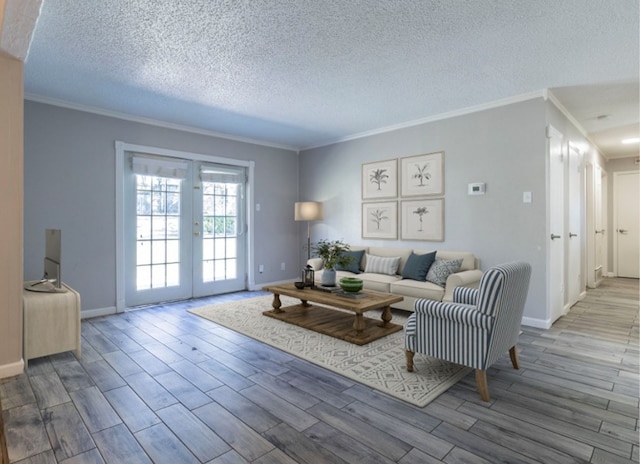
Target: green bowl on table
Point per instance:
(351, 284)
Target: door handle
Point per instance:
(196, 233)
(623, 231)
(554, 236)
(601, 231)
(572, 235)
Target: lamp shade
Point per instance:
(308, 211)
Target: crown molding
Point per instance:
(437, 117)
(152, 122)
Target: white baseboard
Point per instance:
(537, 323)
(11, 369)
(97, 312)
(257, 287)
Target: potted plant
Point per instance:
(333, 253)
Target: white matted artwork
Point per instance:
(422, 175)
(423, 219)
(380, 220)
(380, 179)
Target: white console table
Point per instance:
(51, 323)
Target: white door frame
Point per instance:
(120, 149)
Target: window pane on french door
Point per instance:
(157, 232)
(220, 231)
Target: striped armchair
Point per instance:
(477, 328)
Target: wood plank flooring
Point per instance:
(161, 385)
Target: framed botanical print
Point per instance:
(380, 180)
(422, 175)
(380, 220)
(423, 219)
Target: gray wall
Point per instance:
(69, 183)
(504, 147)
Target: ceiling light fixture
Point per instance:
(631, 140)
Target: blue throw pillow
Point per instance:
(417, 266)
(354, 264)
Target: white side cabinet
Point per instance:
(51, 323)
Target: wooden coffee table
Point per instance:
(339, 323)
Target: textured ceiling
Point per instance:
(301, 73)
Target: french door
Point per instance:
(184, 228)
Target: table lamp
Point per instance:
(308, 211)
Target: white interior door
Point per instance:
(575, 201)
(627, 223)
(595, 230)
(599, 229)
(556, 238)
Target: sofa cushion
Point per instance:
(354, 265)
(417, 266)
(416, 289)
(378, 282)
(441, 269)
(382, 265)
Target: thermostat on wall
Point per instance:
(476, 188)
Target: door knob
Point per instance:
(623, 231)
(554, 236)
(572, 235)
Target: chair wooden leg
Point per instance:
(409, 356)
(513, 354)
(483, 387)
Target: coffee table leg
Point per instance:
(386, 317)
(358, 324)
(276, 304)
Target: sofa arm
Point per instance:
(469, 278)
(315, 263)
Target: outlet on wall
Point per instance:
(261, 268)
(282, 266)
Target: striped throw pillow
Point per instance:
(382, 265)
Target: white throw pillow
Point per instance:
(382, 265)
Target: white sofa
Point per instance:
(468, 276)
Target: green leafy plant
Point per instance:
(332, 253)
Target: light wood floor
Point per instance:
(161, 385)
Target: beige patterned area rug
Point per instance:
(379, 364)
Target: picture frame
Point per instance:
(423, 219)
(422, 175)
(380, 220)
(380, 179)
